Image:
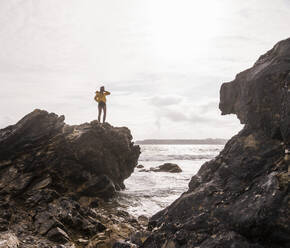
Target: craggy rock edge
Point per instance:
(53, 178)
(241, 198)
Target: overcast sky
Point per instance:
(163, 60)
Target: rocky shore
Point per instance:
(55, 179)
(241, 198)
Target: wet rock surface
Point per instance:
(241, 198)
(54, 177)
(167, 167)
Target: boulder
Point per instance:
(240, 198)
(139, 238)
(167, 167)
(121, 244)
(58, 235)
(143, 220)
(8, 240)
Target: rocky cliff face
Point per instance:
(259, 96)
(51, 172)
(241, 198)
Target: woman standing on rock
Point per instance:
(101, 99)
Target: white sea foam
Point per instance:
(177, 157)
(178, 152)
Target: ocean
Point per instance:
(147, 193)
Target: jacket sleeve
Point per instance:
(96, 97)
(107, 93)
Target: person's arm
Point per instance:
(107, 93)
(96, 96)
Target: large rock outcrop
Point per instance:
(259, 96)
(241, 198)
(51, 172)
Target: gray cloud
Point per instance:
(181, 116)
(175, 116)
(210, 106)
(164, 100)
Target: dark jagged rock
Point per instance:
(241, 198)
(58, 235)
(121, 244)
(167, 167)
(51, 172)
(259, 95)
(138, 238)
(43, 147)
(121, 229)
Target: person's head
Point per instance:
(102, 89)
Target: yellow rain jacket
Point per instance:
(101, 97)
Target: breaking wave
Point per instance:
(176, 157)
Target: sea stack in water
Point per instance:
(167, 167)
(50, 172)
(241, 198)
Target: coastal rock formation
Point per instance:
(52, 175)
(167, 167)
(241, 198)
(259, 96)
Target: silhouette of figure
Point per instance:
(101, 99)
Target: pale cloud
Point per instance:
(4, 120)
(164, 100)
(164, 73)
(209, 106)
